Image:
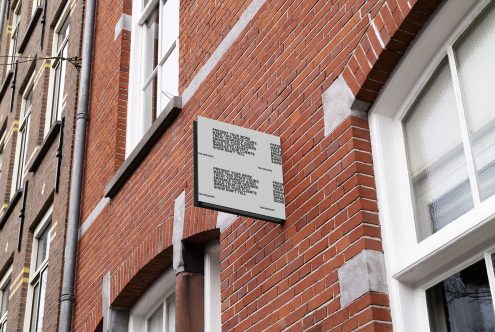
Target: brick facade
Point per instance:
(272, 78)
(40, 193)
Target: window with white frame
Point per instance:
(213, 321)
(23, 137)
(433, 136)
(36, 4)
(58, 70)
(4, 9)
(155, 312)
(39, 274)
(5, 283)
(14, 37)
(154, 73)
(2, 146)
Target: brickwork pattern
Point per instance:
(272, 79)
(40, 194)
(105, 148)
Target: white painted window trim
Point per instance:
(60, 52)
(34, 273)
(3, 10)
(413, 267)
(213, 309)
(20, 171)
(157, 295)
(7, 277)
(2, 148)
(14, 37)
(137, 121)
(35, 4)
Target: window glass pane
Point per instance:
(171, 313)
(170, 31)
(170, 78)
(36, 3)
(43, 247)
(155, 322)
(28, 101)
(35, 307)
(462, 302)
(150, 64)
(23, 151)
(436, 156)
(41, 307)
(5, 299)
(475, 53)
(1, 160)
(63, 33)
(150, 99)
(58, 88)
(151, 27)
(56, 92)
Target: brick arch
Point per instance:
(389, 34)
(149, 273)
(143, 279)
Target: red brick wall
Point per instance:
(272, 79)
(105, 150)
(204, 24)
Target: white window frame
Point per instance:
(35, 4)
(22, 142)
(57, 63)
(35, 274)
(212, 295)
(412, 266)
(14, 37)
(7, 277)
(2, 148)
(138, 119)
(157, 295)
(3, 10)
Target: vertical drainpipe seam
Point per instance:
(67, 295)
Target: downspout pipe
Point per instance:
(67, 295)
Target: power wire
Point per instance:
(75, 61)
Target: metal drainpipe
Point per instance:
(67, 296)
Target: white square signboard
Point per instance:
(238, 170)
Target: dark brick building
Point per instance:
(40, 44)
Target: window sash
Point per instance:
(2, 146)
(3, 16)
(59, 69)
(38, 279)
(38, 305)
(4, 300)
(24, 137)
(467, 140)
(5, 283)
(36, 4)
(146, 72)
(413, 267)
(61, 44)
(147, 11)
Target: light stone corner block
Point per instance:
(362, 274)
(339, 103)
(224, 220)
(178, 227)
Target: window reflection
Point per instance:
(462, 302)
